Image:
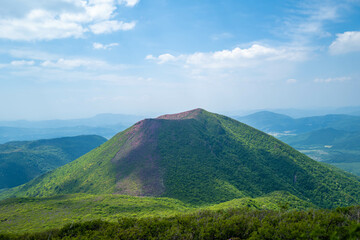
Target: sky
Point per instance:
(76, 58)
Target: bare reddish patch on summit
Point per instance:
(184, 115)
(139, 173)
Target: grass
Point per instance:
(24, 215)
(234, 223)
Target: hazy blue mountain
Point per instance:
(356, 113)
(106, 125)
(301, 113)
(100, 120)
(8, 134)
(268, 121)
(278, 123)
(22, 161)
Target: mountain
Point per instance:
(106, 125)
(100, 120)
(302, 113)
(8, 134)
(22, 161)
(197, 157)
(268, 121)
(279, 123)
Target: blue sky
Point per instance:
(77, 58)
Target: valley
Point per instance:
(332, 139)
(22, 161)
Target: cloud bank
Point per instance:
(96, 16)
(234, 58)
(346, 42)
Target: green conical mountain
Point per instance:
(197, 157)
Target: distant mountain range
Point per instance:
(278, 123)
(106, 125)
(197, 157)
(301, 113)
(22, 161)
(100, 120)
(334, 139)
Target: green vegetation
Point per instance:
(20, 215)
(199, 158)
(243, 223)
(23, 161)
(339, 148)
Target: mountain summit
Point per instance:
(197, 157)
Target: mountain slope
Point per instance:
(22, 161)
(268, 121)
(196, 157)
(22, 215)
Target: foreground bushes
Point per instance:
(342, 223)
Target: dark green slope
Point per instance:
(22, 161)
(197, 157)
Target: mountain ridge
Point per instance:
(275, 122)
(197, 157)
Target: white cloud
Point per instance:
(22, 63)
(30, 54)
(74, 63)
(163, 58)
(330, 80)
(291, 81)
(235, 58)
(74, 20)
(317, 17)
(111, 26)
(18, 63)
(39, 24)
(129, 3)
(309, 18)
(104, 46)
(346, 42)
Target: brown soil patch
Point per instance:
(137, 161)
